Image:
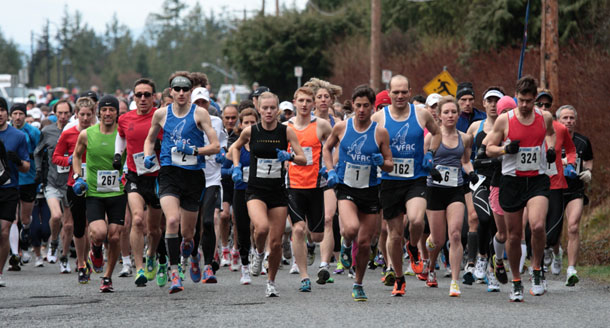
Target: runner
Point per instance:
(524, 132)
(182, 151)
(141, 182)
(403, 189)
(574, 195)
(445, 196)
(306, 186)
(105, 197)
(266, 195)
(363, 146)
(14, 159)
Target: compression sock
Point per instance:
(473, 246)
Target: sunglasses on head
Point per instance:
(541, 104)
(184, 89)
(145, 94)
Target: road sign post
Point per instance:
(298, 72)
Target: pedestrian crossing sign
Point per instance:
(443, 84)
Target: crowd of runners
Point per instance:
(176, 188)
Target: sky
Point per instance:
(20, 17)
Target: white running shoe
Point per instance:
(245, 275)
(271, 290)
(557, 262)
(548, 256)
(52, 255)
(39, 262)
(26, 257)
(125, 271)
(235, 260)
(64, 265)
(480, 268)
(257, 265)
(294, 269)
(537, 284)
(225, 259)
(492, 283)
(571, 277)
(447, 271)
(2, 282)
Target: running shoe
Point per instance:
(323, 275)
(431, 281)
(399, 287)
(225, 260)
(181, 268)
(25, 257)
(96, 262)
(311, 254)
(194, 269)
(358, 294)
(330, 280)
(516, 292)
(294, 269)
(125, 271)
(64, 265)
(468, 277)
(235, 260)
(2, 282)
(245, 275)
(39, 262)
(106, 286)
(430, 245)
(162, 274)
(416, 262)
(499, 270)
(492, 283)
(480, 268)
(13, 262)
(409, 271)
(305, 285)
(150, 270)
(271, 290)
(286, 249)
(390, 278)
(548, 256)
(423, 275)
(25, 237)
(257, 265)
(176, 284)
(339, 269)
(454, 290)
(557, 262)
(52, 253)
(571, 278)
(346, 256)
(186, 248)
(83, 275)
(208, 276)
(351, 273)
(379, 260)
(537, 286)
(140, 278)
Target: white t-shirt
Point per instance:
(212, 169)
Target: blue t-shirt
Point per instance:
(32, 136)
(14, 140)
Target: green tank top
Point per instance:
(103, 179)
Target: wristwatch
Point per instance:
(75, 176)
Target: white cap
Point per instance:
(493, 93)
(200, 93)
(433, 99)
(36, 124)
(286, 105)
(35, 113)
(132, 105)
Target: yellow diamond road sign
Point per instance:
(443, 84)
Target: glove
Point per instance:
(481, 152)
(13, 157)
(237, 174)
(283, 155)
(512, 147)
(428, 163)
(474, 178)
(80, 187)
(184, 148)
(436, 175)
(585, 176)
(220, 157)
(569, 172)
(37, 179)
(70, 160)
(323, 172)
(226, 171)
(377, 159)
(550, 155)
(332, 179)
(116, 163)
(149, 161)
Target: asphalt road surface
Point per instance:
(41, 297)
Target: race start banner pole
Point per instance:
(527, 16)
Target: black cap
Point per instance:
(259, 91)
(464, 88)
(544, 94)
(90, 94)
(3, 104)
(109, 101)
(19, 106)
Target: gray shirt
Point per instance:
(48, 141)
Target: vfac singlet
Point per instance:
(355, 167)
(407, 145)
(183, 130)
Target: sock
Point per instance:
(172, 243)
(345, 243)
(97, 250)
(162, 251)
(413, 249)
(498, 248)
(571, 268)
(523, 255)
(14, 239)
(25, 226)
(126, 260)
(473, 246)
(323, 264)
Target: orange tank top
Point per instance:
(306, 176)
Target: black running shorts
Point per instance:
(186, 185)
(9, 198)
(515, 192)
(395, 194)
(113, 207)
(439, 198)
(145, 186)
(367, 199)
(307, 205)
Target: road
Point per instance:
(41, 297)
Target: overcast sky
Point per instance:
(19, 17)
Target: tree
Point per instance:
(10, 56)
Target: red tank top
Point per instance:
(531, 159)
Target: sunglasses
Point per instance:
(145, 94)
(541, 104)
(184, 89)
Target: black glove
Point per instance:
(550, 155)
(37, 179)
(157, 144)
(474, 178)
(436, 175)
(13, 157)
(116, 163)
(512, 147)
(481, 152)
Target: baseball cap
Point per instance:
(493, 93)
(181, 81)
(90, 94)
(433, 99)
(259, 91)
(200, 93)
(109, 101)
(286, 105)
(35, 113)
(505, 103)
(382, 97)
(544, 94)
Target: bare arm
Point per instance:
(496, 136)
(433, 129)
(550, 131)
(331, 142)
(384, 146)
(243, 139)
(81, 146)
(466, 164)
(155, 126)
(299, 155)
(205, 123)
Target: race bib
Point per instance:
(528, 159)
(245, 173)
(578, 163)
(403, 168)
(449, 175)
(63, 169)
(551, 169)
(83, 169)
(268, 168)
(108, 181)
(357, 176)
(138, 159)
(308, 155)
(182, 159)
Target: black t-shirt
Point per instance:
(584, 152)
(263, 144)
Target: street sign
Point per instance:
(386, 76)
(298, 71)
(443, 84)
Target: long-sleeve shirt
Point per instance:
(563, 140)
(65, 148)
(56, 177)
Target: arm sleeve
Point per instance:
(119, 144)
(58, 155)
(39, 153)
(587, 155)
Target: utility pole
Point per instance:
(277, 7)
(263, 9)
(549, 48)
(375, 45)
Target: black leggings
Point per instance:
(205, 224)
(487, 225)
(242, 220)
(79, 212)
